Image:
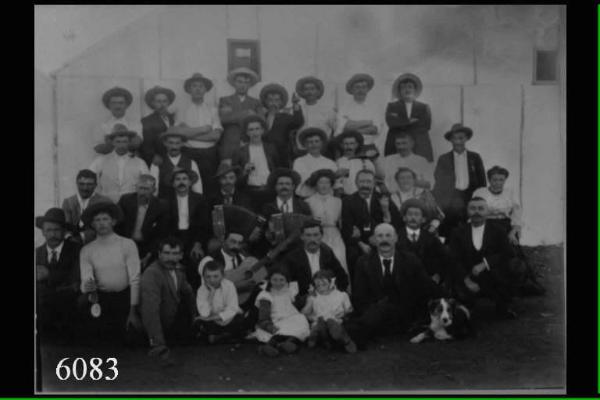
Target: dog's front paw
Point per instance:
(418, 339)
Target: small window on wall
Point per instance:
(545, 67)
(243, 53)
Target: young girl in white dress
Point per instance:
(326, 309)
(280, 325)
(327, 209)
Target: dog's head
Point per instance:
(442, 311)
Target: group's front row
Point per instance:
(100, 291)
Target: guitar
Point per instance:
(252, 268)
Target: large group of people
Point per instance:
(135, 254)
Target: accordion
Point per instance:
(234, 218)
(284, 225)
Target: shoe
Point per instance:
(288, 347)
(268, 350)
(350, 347)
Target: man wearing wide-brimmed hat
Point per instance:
(360, 112)
(190, 219)
(110, 267)
(201, 125)
(233, 109)
(57, 271)
(173, 141)
(407, 115)
(314, 139)
(353, 159)
(158, 99)
(280, 121)
(229, 191)
(317, 114)
(457, 174)
(283, 183)
(117, 100)
(119, 170)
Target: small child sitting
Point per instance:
(220, 316)
(280, 325)
(325, 308)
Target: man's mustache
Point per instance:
(181, 185)
(385, 243)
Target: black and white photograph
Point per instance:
(300, 199)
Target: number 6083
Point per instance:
(81, 369)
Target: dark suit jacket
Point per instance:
(240, 198)
(73, 214)
(428, 249)
(152, 127)
(200, 220)
(280, 135)
(412, 284)
(398, 121)
(235, 117)
(242, 156)
(160, 301)
(155, 225)
(445, 177)
(298, 205)
(62, 274)
(495, 248)
(354, 213)
(296, 262)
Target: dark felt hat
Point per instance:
(56, 215)
(149, 97)
(103, 207)
(173, 131)
(242, 71)
(318, 174)
(414, 203)
(226, 168)
(279, 172)
(117, 92)
(407, 77)
(310, 79)
(357, 78)
(310, 132)
(191, 174)
(273, 88)
(197, 77)
(458, 128)
(121, 130)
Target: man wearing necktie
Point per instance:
(229, 191)
(390, 289)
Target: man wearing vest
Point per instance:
(158, 99)
(118, 171)
(173, 141)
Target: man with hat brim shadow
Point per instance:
(230, 190)
(315, 140)
(117, 100)
(353, 159)
(457, 175)
(409, 115)
(235, 108)
(360, 112)
(57, 278)
(190, 220)
(201, 125)
(110, 271)
(317, 114)
(173, 141)
(118, 171)
(158, 99)
(281, 122)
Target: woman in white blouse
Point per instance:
(406, 178)
(504, 210)
(327, 208)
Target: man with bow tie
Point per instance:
(390, 288)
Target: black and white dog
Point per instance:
(449, 320)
